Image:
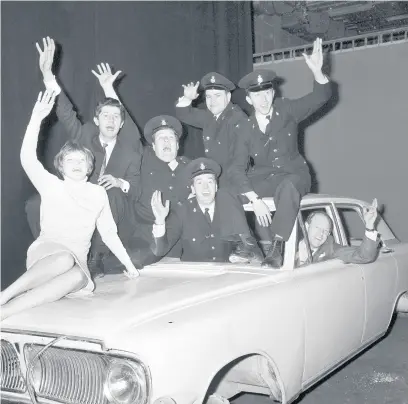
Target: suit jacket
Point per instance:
(258, 155)
(365, 253)
(200, 240)
(125, 159)
(218, 134)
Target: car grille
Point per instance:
(69, 376)
(11, 377)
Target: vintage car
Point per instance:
(189, 333)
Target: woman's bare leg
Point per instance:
(51, 291)
(41, 272)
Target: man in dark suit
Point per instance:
(218, 121)
(266, 160)
(117, 158)
(204, 222)
(323, 247)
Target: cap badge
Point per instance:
(260, 79)
(202, 166)
(163, 122)
(212, 79)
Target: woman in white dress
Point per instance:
(71, 208)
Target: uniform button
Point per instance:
(304, 162)
(278, 166)
(194, 210)
(170, 187)
(206, 150)
(219, 142)
(193, 239)
(256, 154)
(237, 126)
(214, 258)
(289, 134)
(208, 138)
(276, 158)
(253, 126)
(173, 175)
(248, 119)
(271, 138)
(151, 173)
(212, 235)
(191, 201)
(275, 150)
(213, 247)
(277, 113)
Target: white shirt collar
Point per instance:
(173, 164)
(210, 208)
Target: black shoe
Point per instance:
(95, 264)
(274, 257)
(246, 251)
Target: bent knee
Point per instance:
(78, 276)
(64, 260)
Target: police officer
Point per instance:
(218, 121)
(266, 159)
(161, 170)
(205, 222)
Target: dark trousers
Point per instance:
(287, 191)
(120, 211)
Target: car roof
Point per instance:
(314, 199)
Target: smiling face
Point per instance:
(204, 187)
(109, 122)
(75, 166)
(318, 230)
(261, 100)
(165, 144)
(217, 100)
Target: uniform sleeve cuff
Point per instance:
(158, 230)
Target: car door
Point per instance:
(334, 308)
(380, 276)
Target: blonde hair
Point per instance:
(71, 147)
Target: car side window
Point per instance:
(351, 218)
(304, 252)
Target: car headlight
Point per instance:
(126, 383)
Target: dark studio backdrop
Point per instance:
(158, 45)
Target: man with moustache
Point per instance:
(266, 159)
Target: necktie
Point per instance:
(207, 215)
(103, 166)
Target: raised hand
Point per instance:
(190, 90)
(105, 76)
(160, 211)
(46, 57)
(315, 60)
(44, 105)
(370, 214)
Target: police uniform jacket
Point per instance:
(125, 159)
(157, 175)
(259, 155)
(200, 239)
(218, 134)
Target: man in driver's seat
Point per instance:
(323, 247)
